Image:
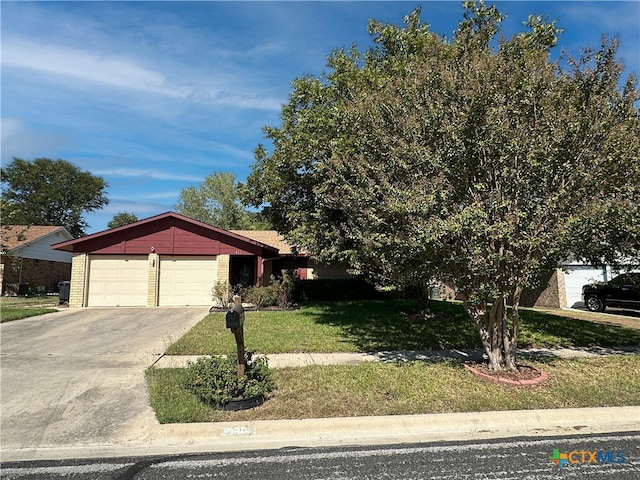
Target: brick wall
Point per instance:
(78, 270)
(38, 274)
(223, 268)
(551, 294)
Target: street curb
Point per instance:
(175, 439)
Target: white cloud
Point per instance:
(612, 17)
(19, 140)
(120, 72)
(87, 66)
(162, 195)
(147, 174)
(141, 209)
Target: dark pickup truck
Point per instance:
(623, 291)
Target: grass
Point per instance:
(382, 325)
(17, 308)
(407, 389)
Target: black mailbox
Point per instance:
(235, 317)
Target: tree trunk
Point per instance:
(511, 335)
(498, 339)
(424, 302)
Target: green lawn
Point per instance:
(401, 388)
(383, 325)
(406, 389)
(16, 308)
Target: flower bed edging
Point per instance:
(541, 378)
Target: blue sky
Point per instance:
(155, 96)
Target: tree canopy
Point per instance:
(216, 202)
(50, 192)
(122, 218)
(477, 160)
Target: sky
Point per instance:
(155, 96)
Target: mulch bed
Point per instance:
(525, 376)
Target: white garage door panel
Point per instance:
(186, 280)
(577, 276)
(118, 281)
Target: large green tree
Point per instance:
(50, 192)
(122, 218)
(477, 160)
(216, 201)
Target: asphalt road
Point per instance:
(517, 459)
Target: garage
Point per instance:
(166, 260)
(186, 280)
(575, 276)
(119, 280)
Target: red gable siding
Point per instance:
(167, 234)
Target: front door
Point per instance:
(242, 271)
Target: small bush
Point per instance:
(280, 292)
(222, 294)
(285, 290)
(260, 296)
(215, 381)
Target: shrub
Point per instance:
(215, 381)
(222, 294)
(280, 292)
(260, 296)
(285, 289)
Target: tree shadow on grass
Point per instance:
(540, 329)
(391, 326)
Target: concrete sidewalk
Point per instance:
(282, 360)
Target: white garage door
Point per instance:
(118, 281)
(186, 280)
(575, 276)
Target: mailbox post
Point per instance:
(235, 322)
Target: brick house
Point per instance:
(28, 263)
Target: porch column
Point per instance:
(79, 279)
(152, 280)
(223, 268)
(260, 271)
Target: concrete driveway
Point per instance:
(76, 377)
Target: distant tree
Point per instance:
(216, 202)
(51, 192)
(476, 160)
(122, 218)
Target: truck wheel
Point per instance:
(594, 303)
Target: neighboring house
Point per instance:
(172, 260)
(576, 274)
(562, 287)
(29, 265)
